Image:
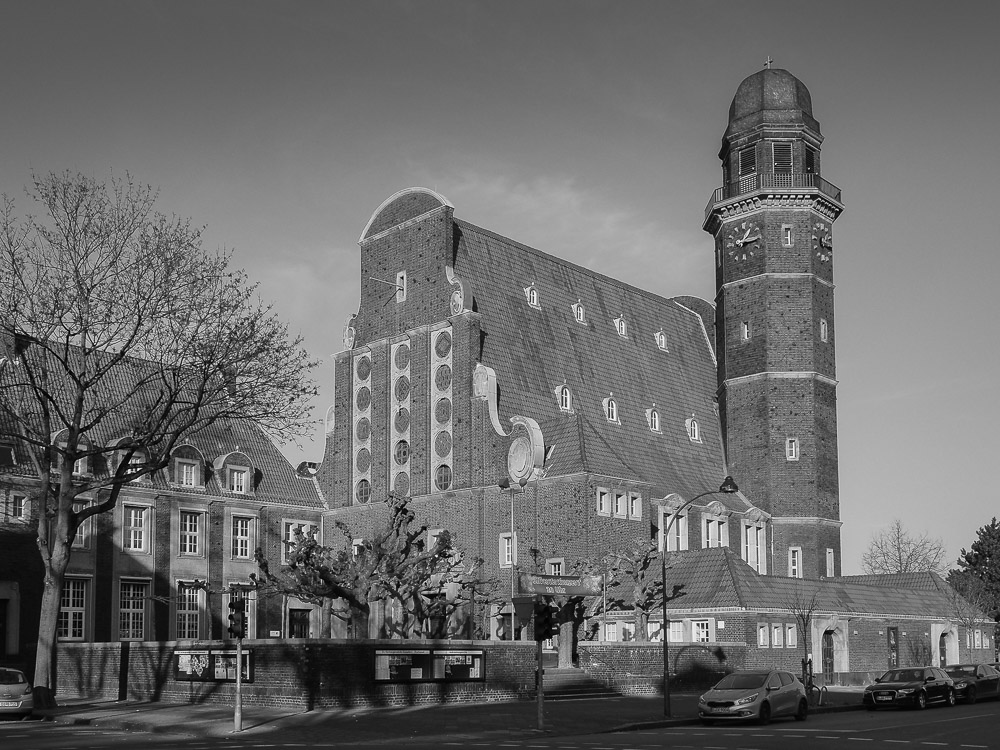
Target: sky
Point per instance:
(588, 130)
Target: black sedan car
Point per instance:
(974, 681)
(912, 687)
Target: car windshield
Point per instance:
(11, 677)
(903, 675)
(743, 681)
(964, 671)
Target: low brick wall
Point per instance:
(637, 668)
(305, 673)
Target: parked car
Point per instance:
(914, 687)
(754, 696)
(974, 681)
(15, 693)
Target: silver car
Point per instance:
(16, 698)
(755, 695)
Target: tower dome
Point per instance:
(772, 96)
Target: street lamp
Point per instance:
(728, 487)
(506, 484)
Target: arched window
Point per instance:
(654, 420)
(531, 294)
(579, 314)
(565, 398)
(661, 340)
(693, 431)
(621, 326)
(611, 409)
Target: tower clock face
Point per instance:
(743, 240)
(822, 241)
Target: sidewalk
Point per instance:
(391, 725)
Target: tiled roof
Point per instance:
(534, 351)
(717, 578)
(279, 483)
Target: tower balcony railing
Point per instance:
(796, 181)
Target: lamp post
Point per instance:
(728, 487)
(507, 484)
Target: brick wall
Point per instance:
(306, 674)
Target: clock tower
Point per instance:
(772, 221)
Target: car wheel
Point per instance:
(950, 698)
(803, 711)
(765, 714)
(921, 700)
(970, 695)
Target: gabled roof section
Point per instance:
(717, 577)
(403, 207)
(534, 350)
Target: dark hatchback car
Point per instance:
(914, 687)
(974, 681)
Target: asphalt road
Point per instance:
(963, 727)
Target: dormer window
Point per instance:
(661, 340)
(238, 477)
(621, 326)
(653, 419)
(80, 467)
(578, 312)
(531, 294)
(135, 464)
(565, 397)
(611, 409)
(693, 430)
(187, 467)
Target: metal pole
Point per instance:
(238, 711)
(539, 684)
(728, 487)
(513, 569)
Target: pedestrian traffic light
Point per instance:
(546, 620)
(237, 619)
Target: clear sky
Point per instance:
(589, 130)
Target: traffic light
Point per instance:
(546, 620)
(237, 619)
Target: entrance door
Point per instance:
(828, 654)
(893, 636)
(298, 623)
(943, 650)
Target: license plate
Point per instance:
(9, 704)
(883, 697)
(717, 710)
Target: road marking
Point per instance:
(942, 744)
(901, 742)
(974, 746)
(861, 739)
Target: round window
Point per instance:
(402, 357)
(442, 477)
(363, 399)
(442, 410)
(442, 377)
(442, 444)
(401, 453)
(363, 461)
(363, 491)
(363, 368)
(402, 420)
(402, 388)
(442, 344)
(401, 484)
(363, 430)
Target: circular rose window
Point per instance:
(364, 368)
(402, 388)
(363, 491)
(363, 461)
(442, 444)
(442, 377)
(402, 357)
(442, 344)
(363, 430)
(363, 399)
(442, 410)
(401, 484)
(402, 420)
(401, 453)
(442, 477)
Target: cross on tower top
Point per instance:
(767, 62)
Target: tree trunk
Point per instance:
(48, 622)
(641, 623)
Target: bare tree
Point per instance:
(636, 573)
(123, 339)
(802, 605)
(396, 563)
(897, 550)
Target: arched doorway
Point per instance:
(828, 653)
(943, 650)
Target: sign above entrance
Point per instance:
(548, 585)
